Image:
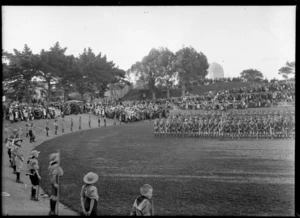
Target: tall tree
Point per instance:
(19, 71)
(287, 70)
(147, 71)
(68, 75)
(167, 73)
(190, 65)
(96, 73)
(251, 75)
(51, 65)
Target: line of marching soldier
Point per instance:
(234, 127)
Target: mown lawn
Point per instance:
(190, 176)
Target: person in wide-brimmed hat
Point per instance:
(54, 171)
(18, 158)
(89, 195)
(34, 154)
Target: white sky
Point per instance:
(237, 37)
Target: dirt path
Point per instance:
(18, 202)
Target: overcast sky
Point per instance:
(237, 37)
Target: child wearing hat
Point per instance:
(18, 157)
(90, 120)
(34, 154)
(55, 126)
(47, 127)
(34, 174)
(143, 205)
(71, 124)
(89, 195)
(10, 145)
(31, 133)
(6, 132)
(54, 171)
(99, 120)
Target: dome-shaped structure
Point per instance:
(215, 71)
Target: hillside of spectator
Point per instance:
(137, 94)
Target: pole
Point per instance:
(152, 207)
(38, 191)
(57, 202)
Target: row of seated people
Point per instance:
(266, 95)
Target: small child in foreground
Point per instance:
(143, 205)
(89, 195)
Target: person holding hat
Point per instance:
(143, 205)
(54, 171)
(89, 195)
(18, 158)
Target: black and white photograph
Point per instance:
(148, 110)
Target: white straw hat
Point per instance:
(90, 178)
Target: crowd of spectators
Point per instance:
(266, 95)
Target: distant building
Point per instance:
(116, 91)
(215, 71)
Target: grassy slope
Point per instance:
(136, 94)
(189, 176)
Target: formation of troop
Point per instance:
(228, 125)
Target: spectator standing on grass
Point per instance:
(99, 120)
(31, 133)
(89, 195)
(10, 146)
(55, 126)
(47, 127)
(63, 125)
(6, 132)
(19, 158)
(54, 171)
(89, 121)
(71, 123)
(32, 165)
(143, 205)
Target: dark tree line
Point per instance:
(161, 69)
(89, 73)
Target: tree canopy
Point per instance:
(190, 66)
(288, 70)
(251, 75)
(89, 73)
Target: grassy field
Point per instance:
(190, 176)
